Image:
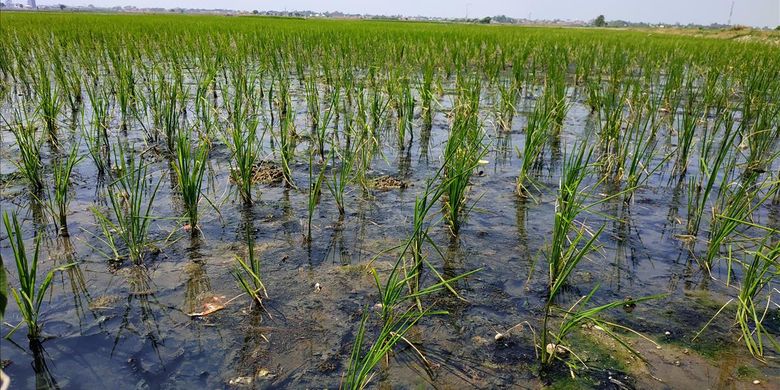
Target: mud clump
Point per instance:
(267, 172)
(384, 183)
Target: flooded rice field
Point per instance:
(311, 228)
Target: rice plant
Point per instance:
(247, 273)
(30, 294)
(59, 196)
(462, 153)
(129, 217)
(750, 311)
(315, 190)
(190, 165)
(242, 141)
(49, 101)
(749, 315)
(565, 253)
(735, 206)
(536, 134)
(341, 175)
(95, 132)
(29, 144)
(400, 306)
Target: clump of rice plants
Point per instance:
(400, 304)
(540, 124)
(29, 296)
(29, 144)
(341, 175)
(462, 153)
(734, 207)
(49, 101)
(59, 197)
(565, 250)
(131, 197)
(750, 311)
(190, 165)
(95, 132)
(242, 141)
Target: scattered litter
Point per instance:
(210, 306)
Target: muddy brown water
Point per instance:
(128, 325)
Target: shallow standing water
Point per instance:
(129, 325)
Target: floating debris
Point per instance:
(211, 305)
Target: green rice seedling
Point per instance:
(95, 133)
(28, 296)
(574, 318)
(689, 120)
(508, 104)
(610, 106)
(426, 94)
(69, 80)
(536, 134)
(398, 314)
(313, 100)
(403, 101)
(462, 153)
(733, 208)
(638, 156)
(131, 201)
(362, 364)
(749, 314)
(245, 149)
(556, 84)
(287, 141)
(29, 144)
(565, 251)
(190, 165)
(378, 103)
(325, 121)
(247, 273)
(711, 164)
(59, 198)
(420, 238)
(124, 84)
(341, 175)
(49, 101)
(170, 109)
(204, 110)
(315, 190)
(759, 273)
(761, 137)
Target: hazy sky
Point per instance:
(749, 12)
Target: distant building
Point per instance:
(31, 3)
(9, 3)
